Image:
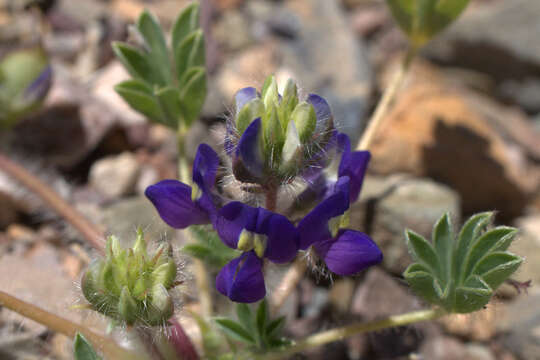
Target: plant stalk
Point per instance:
(64, 326)
(341, 333)
(384, 104)
(55, 202)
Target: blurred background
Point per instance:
(463, 136)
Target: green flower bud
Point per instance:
(270, 94)
(131, 285)
(250, 111)
(292, 150)
(305, 120)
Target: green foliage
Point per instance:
(254, 328)
(461, 274)
(132, 285)
(25, 78)
(209, 248)
(169, 83)
(82, 350)
(423, 19)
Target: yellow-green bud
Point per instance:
(305, 119)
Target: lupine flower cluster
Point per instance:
(273, 142)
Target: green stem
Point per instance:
(64, 326)
(201, 275)
(355, 329)
(384, 104)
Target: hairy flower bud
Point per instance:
(131, 285)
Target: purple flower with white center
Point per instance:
(260, 234)
(344, 251)
(181, 205)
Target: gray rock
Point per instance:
(123, 217)
(390, 205)
(328, 60)
(499, 38)
(115, 176)
(528, 245)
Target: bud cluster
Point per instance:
(131, 285)
(274, 137)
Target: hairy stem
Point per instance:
(341, 333)
(201, 275)
(271, 193)
(55, 202)
(288, 283)
(64, 326)
(384, 104)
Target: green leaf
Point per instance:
(189, 53)
(186, 22)
(498, 238)
(443, 241)
(496, 267)
(423, 283)
(169, 100)
(209, 247)
(470, 230)
(422, 250)
(472, 296)
(235, 330)
(82, 349)
(423, 19)
(148, 26)
(136, 63)
(140, 97)
(275, 326)
(193, 94)
(262, 317)
(245, 316)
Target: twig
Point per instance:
(53, 200)
(384, 104)
(66, 327)
(355, 329)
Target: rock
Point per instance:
(480, 40)
(232, 31)
(8, 210)
(455, 136)
(148, 176)
(341, 293)
(123, 217)
(442, 348)
(115, 176)
(323, 41)
(479, 326)
(390, 205)
(528, 246)
(521, 323)
(377, 297)
(477, 352)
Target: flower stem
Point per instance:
(201, 275)
(355, 329)
(384, 104)
(66, 327)
(288, 283)
(53, 200)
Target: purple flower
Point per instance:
(259, 233)
(344, 251)
(180, 205)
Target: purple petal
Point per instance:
(282, 244)
(322, 109)
(313, 227)
(242, 280)
(248, 151)
(243, 96)
(172, 200)
(350, 252)
(353, 164)
(40, 86)
(205, 167)
(233, 218)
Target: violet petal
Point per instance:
(243, 96)
(242, 280)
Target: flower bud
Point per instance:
(131, 285)
(25, 78)
(305, 120)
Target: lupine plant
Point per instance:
(280, 191)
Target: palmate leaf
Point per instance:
(461, 274)
(235, 330)
(209, 247)
(423, 19)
